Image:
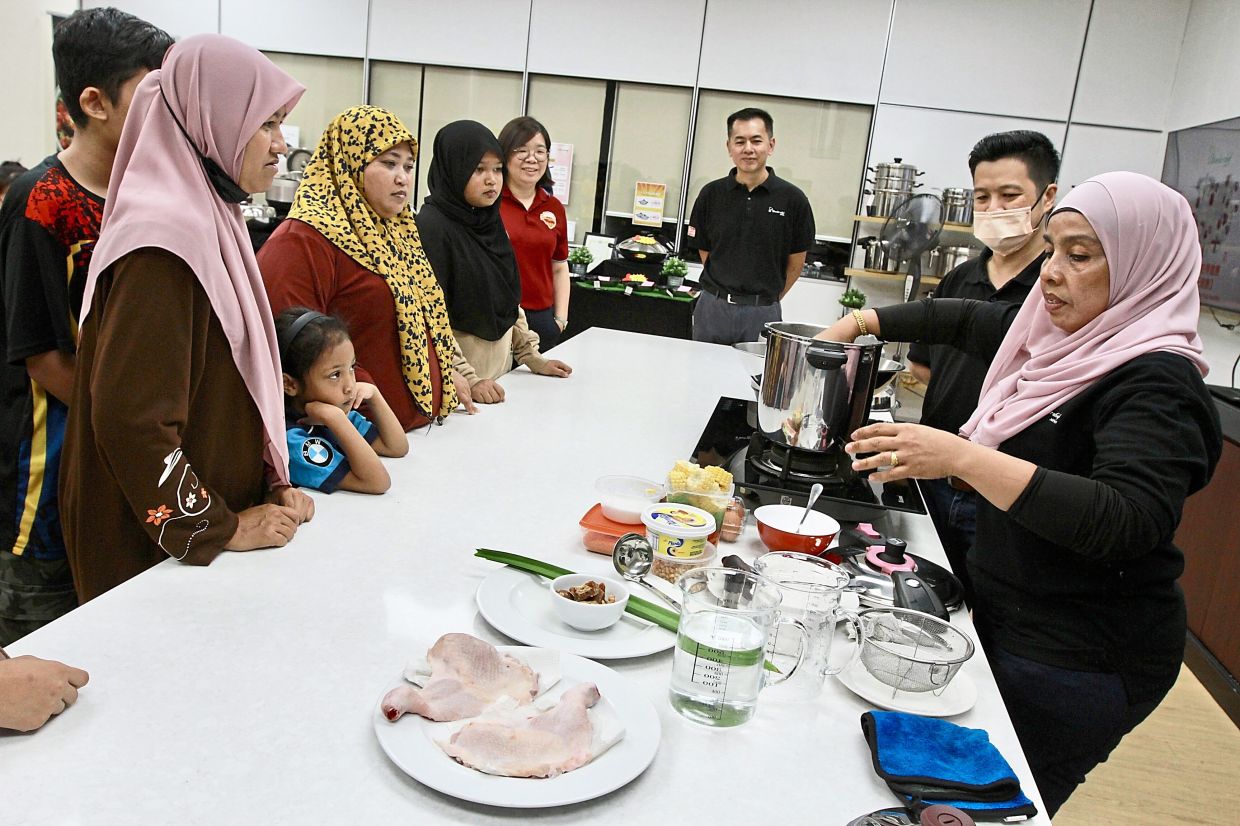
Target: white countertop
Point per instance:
(243, 692)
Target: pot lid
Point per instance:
(298, 159)
(895, 166)
(645, 244)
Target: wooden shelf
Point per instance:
(871, 219)
(853, 272)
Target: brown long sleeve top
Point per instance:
(164, 444)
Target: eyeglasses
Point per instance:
(540, 154)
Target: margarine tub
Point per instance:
(677, 531)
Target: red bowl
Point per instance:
(777, 527)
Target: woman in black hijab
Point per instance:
(468, 248)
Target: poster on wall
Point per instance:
(1203, 165)
(648, 201)
(561, 168)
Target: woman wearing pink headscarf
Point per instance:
(1092, 429)
(175, 443)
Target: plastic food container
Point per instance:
(677, 531)
(600, 533)
(670, 568)
(625, 497)
(716, 504)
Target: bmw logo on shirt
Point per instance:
(317, 451)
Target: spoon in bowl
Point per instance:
(814, 493)
(632, 558)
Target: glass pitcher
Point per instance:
(719, 663)
(811, 590)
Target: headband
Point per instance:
(290, 334)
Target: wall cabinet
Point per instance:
(1209, 535)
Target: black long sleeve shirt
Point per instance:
(1080, 572)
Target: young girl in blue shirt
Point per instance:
(331, 445)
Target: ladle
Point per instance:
(814, 493)
(632, 557)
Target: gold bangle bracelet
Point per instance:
(860, 319)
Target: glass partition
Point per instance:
(651, 126)
(333, 84)
(448, 94)
(572, 111)
(819, 146)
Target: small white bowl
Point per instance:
(585, 616)
(625, 497)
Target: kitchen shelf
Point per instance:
(882, 275)
(872, 219)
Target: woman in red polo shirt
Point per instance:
(537, 228)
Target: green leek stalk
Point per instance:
(660, 616)
(657, 614)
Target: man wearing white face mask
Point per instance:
(1013, 191)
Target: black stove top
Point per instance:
(776, 474)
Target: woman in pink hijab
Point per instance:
(1093, 427)
(175, 441)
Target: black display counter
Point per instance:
(655, 313)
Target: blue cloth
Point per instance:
(926, 760)
(315, 458)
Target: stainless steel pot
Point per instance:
(884, 182)
(932, 262)
(957, 205)
(877, 257)
(897, 171)
(280, 193)
(815, 393)
(952, 257)
(886, 200)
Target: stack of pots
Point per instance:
(893, 185)
(957, 205)
(939, 261)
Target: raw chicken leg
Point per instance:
(556, 741)
(467, 675)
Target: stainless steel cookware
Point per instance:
(280, 193)
(903, 173)
(886, 200)
(815, 393)
(957, 205)
(952, 257)
(877, 257)
(932, 263)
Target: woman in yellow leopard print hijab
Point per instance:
(350, 247)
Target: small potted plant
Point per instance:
(578, 259)
(853, 299)
(674, 271)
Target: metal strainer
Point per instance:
(911, 651)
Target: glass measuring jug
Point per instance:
(810, 590)
(719, 662)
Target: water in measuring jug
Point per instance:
(717, 668)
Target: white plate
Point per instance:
(518, 604)
(959, 696)
(409, 742)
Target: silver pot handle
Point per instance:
(825, 357)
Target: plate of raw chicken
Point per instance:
(515, 726)
(518, 605)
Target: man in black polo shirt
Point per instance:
(752, 230)
(1013, 191)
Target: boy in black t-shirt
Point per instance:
(49, 223)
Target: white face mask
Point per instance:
(1005, 230)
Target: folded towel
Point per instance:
(926, 760)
